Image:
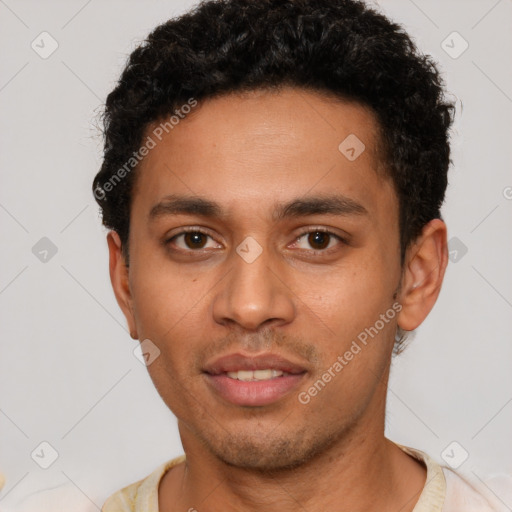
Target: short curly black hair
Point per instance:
(339, 47)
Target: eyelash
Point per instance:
(340, 239)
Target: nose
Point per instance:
(254, 294)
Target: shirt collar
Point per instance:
(434, 491)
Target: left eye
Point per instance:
(318, 240)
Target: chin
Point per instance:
(268, 455)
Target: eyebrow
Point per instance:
(298, 207)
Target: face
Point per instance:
(253, 234)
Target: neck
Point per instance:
(362, 471)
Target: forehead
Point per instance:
(252, 150)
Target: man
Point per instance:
(272, 178)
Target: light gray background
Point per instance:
(68, 375)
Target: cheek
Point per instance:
(350, 298)
(354, 352)
(163, 297)
(169, 310)
(172, 321)
(171, 384)
(341, 392)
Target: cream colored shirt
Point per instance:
(444, 491)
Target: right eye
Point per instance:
(191, 240)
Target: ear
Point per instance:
(424, 268)
(120, 281)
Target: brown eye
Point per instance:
(195, 240)
(318, 240)
(190, 241)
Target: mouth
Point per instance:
(253, 381)
(250, 391)
(256, 375)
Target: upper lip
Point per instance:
(238, 361)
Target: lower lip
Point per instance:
(255, 393)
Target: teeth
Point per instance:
(248, 375)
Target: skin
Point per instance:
(250, 153)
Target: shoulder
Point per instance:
(141, 496)
(472, 493)
(447, 490)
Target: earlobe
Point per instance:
(423, 274)
(120, 280)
